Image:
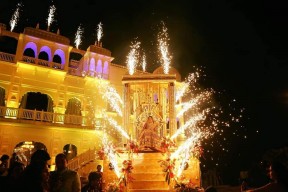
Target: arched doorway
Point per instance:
(8, 44)
(25, 149)
(37, 101)
(73, 107)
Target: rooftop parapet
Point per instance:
(46, 35)
(100, 50)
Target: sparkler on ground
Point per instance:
(163, 48)
(78, 36)
(133, 57)
(50, 18)
(15, 17)
(99, 33)
(111, 154)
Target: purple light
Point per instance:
(47, 50)
(32, 46)
(92, 65)
(105, 68)
(99, 66)
(61, 54)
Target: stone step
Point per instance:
(148, 184)
(149, 176)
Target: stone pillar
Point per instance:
(126, 110)
(172, 115)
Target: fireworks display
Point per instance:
(163, 48)
(78, 36)
(133, 57)
(99, 32)
(15, 17)
(50, 18)
(144, 63)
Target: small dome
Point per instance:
(172, 70)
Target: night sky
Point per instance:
(240, 44)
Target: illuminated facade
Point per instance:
(49, 93)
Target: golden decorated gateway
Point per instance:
(52, 94)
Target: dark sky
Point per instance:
(241, 44)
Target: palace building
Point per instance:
(53, 95)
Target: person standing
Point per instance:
(63, 179)
(149, 137)
(4, 165)
(278, 174)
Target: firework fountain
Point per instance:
(78, 36)
(15, 17)
(163, 48)
(50, 18)
(99, 33)
(133, 57)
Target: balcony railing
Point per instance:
(26, 114)
(45, 63)
(7, 57)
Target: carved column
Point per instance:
(172, 115)
(126, 110)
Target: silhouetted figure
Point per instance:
(4, 165)
(35, 176)
(63, 179)
(278, 174)
(94, 184)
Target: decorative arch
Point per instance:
(36, 100)
(92, 64)
(99, 67)
(30, 49)
(60, 53)
(73, 107)
(23, 150)
(2, 96)
(47, 50)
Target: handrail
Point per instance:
(26, 114)
(82, 159)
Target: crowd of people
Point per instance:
(36, 177)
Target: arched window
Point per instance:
(45, 53)
(29, 52)
(92, 67)
(60, 54)
(38, 101)
(99, 68)
(57, 59)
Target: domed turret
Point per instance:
(172, 70)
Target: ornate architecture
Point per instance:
(50, 93)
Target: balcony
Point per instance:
(7, 57)
(57, 119)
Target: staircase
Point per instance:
(147, 173)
